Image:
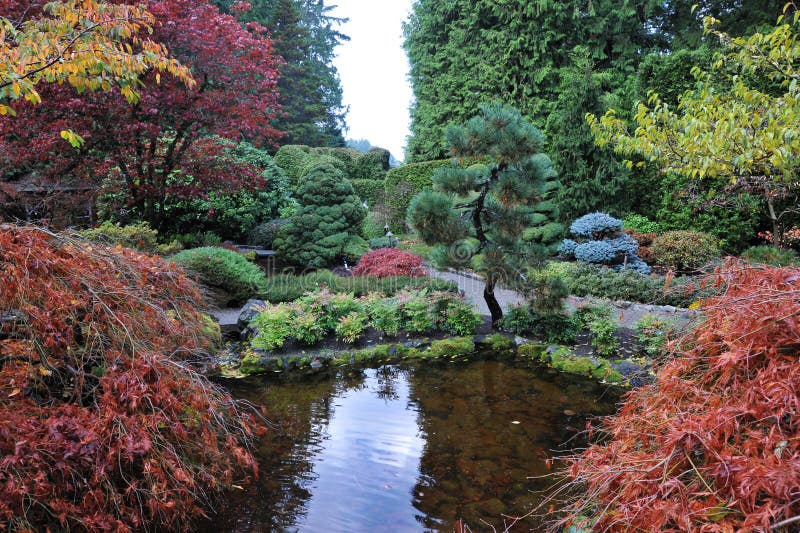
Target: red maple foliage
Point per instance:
(105, 425)
(148, 151)
(387, 262)
(714, 444)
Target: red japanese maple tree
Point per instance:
(713, 444)
(386, 262)
(141, 151)
(105, 423)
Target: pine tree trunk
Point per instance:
(491, 302)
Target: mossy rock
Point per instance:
(535, 352)
(451, 347)
(497, 342)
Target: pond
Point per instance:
(410, 448)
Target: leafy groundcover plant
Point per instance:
(711, 445)
(105, 424)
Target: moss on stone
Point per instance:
(451, 347)
(498, 343)
(531, 351)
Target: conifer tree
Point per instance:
(496, 216)
(324, 230)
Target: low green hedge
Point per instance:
(224, 270)
(289, 287)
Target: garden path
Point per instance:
(626, 313)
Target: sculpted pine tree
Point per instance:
(496, 216)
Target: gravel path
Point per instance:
(627, 313)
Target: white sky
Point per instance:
(373, 68)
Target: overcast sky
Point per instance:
(374, 71)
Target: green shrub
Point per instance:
(329, 307)
(226, 270)
(372, 165)
(402, 184)
(351, 327)
(604, 342)
(232, 214)
(198, 239)
(139, 236)
(383, 242)
(416, 315)
(688, 204)
(385, 315)
(308, 327)
(264, 234)
(588, 280)
(370, 191)
(685, 250)
(770, 255)
(652, 332)
(641, 224)
(274, 327)
(553, 327)
(321, 232)
(291, 158)
(460, 318)
(288, 287)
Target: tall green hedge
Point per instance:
(298, 160)
(292, 158)
(403, 183)
(372, 165)
(371, 191)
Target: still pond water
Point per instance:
(409, 448)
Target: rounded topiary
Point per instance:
(685, 250)
(324, 229)
(595, 225)
(232, 277)
(606, 244)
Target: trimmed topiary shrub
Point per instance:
(403, 183)
(370, 191)
(372, 165)
(606, 245)
(595, 226)
(324, 229)
(685, 251)
(224, 270)
(386, 262)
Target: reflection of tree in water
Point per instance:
(476, 461)
(299, 411)
(387, 377)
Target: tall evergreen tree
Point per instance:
(305, 36)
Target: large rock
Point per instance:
(250, 310)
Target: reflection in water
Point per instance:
(408, 448)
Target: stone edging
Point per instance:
(623, 373)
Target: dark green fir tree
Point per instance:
(324, 230)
